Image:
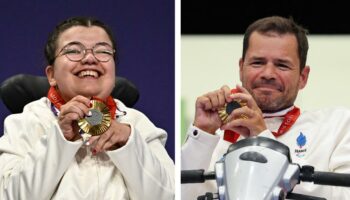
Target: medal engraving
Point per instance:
(95, 118)
(225, 111)
(98, 122)
(231, 106)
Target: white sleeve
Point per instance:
(197, 150)
(33, 158)
(268, 134)
(147, 169)
(197, 153)
(340, 160)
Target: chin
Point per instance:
(99, 95)
(95, 92)
(270, 110)
(88, 94)
(268, 105)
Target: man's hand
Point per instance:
(206, 115)
(253, 123)
(75, 109)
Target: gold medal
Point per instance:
(225, 111)
(99, 121)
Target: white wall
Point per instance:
(208, 62)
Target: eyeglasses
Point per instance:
(76, 51)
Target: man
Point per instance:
(45, 154)
(272, 71)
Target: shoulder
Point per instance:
(38, 110)
(23, 130)
(122, 108)
(329, 110)
(328, 113)
(130, 115)
(140, 122)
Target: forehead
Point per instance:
(88, 36)
(274, 45)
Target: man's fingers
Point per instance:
(204, 103)
(221, 98)
(227, 93)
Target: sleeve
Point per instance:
(268, 134)
(147, 169)
(340, 160)
(33, 158)
(196, 153)
(197, 150)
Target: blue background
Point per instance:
(145, 36)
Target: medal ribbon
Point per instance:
(58, 101)
(288, 121)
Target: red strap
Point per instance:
(231, 136)
(289, 119)
(55, 98)
(111, 105)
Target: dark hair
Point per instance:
(279, 25)
(51, 44)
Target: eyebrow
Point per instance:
(69, 43)
(284, 61)
(103, 43)
(79, 43)
(74, 42)
(256, 58)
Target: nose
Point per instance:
(268, 71)
(89, 57)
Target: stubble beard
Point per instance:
(267, 104)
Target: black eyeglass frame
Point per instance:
(85, 51)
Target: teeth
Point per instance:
(88, 73)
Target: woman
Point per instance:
(66, 146)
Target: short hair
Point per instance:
(281, 26)
(51, 44)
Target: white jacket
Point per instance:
(38, 163)
(327, 148)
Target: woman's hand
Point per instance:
(75, 109)
(115, 137)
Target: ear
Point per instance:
(304, 77)
(241, 69)
(50, 75)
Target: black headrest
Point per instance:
(18, 90)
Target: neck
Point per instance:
(277, 110)
(281, 112)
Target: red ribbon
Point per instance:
(55, 98)
(289, 119)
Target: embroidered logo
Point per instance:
(301, 142)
